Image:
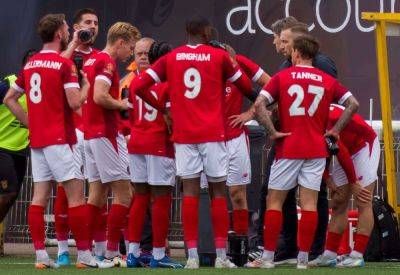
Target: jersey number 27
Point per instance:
(296, 109)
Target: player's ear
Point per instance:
(76, 27)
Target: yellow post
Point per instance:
(386, 106)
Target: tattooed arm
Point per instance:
(351, 106)
(263, 116)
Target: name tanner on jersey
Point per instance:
(43, 64)
(306, 75)
(193, 56)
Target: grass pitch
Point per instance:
(24, 266)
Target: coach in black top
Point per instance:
(285, 30)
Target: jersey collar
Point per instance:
(48, 51)
(84, 52)
(194, 46)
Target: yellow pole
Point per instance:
(386, 105)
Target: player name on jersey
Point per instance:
(306, 75)
(43, 64)
(193, 56)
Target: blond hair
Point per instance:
(122, 30)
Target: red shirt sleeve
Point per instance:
(158, 71)
(105, 70)
(249, 67)
(70, 75)
(271, 89)
(19, 84)
(340, 93)
(236, 76)
(345, 161)
(139, 86)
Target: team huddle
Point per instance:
(179, 113)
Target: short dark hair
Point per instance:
(299, 28)
(157, 50)
(197, 24)
(307, 45)
(282, 23)
(28, 54)
(79, 14)
(48, 25)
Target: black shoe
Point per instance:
(256, 253)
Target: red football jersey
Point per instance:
(304, 95)
(45, 77)
(149, 133)
(357, 132)
(85, 56)
(233, 97)
(98, 121)
(197, 77)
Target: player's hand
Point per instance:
(85, 81)
(279, 135)
(333, 134)
(361, 194)
(239, 120)
(75, 39)
(124, 104)
(331, 185)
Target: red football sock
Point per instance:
(61, 214)
(360, 243)
(272, 228)
(160, 212)
(36, 225)
(241, 222)
(115, 224)
(100, 225)
(307, 225)
(190, 216)
(93, 215)
(333, 241)
(137, 215)
(220, 221)
(78, 223)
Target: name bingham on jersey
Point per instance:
(306, 75)
(193, 56)
(43, 64)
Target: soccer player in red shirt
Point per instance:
(359, 144)
(79, 52)
(196, 75)
(151, 154)
(237, 144)
(304, 95)
(51, 85)
(105, 149)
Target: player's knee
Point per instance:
(238, 198)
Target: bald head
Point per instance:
(141, 53)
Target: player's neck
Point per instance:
(52, 46)
(112, 51)
(84, 48)
(304, 62)
(195, 40)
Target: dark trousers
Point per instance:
(287, 244)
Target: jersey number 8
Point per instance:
(35, 94)
(192, 80)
